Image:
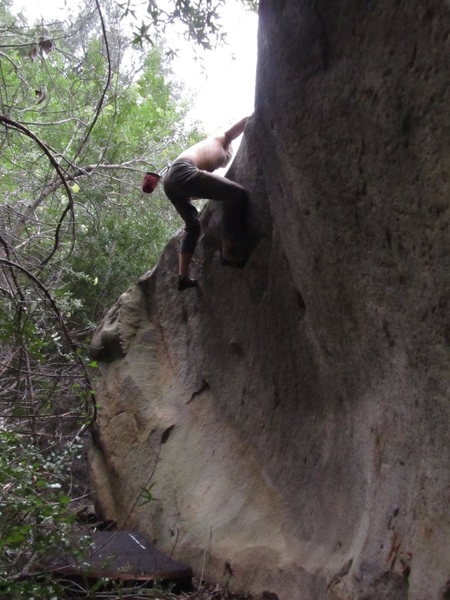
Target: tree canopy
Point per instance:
(83, 114)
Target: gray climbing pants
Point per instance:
(184, 181)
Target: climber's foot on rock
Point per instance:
(186, 282)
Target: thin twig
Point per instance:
(69, 208)
(73, 346)
(105, 88)
(204, 555)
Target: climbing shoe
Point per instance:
(228, 262)
(186, 282)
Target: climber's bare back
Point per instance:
(209, 154)
(216, 151)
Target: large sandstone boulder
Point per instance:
(292, 418)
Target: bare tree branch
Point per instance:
(72, 345)
(106, 86)
(69, 208)
(52, 123)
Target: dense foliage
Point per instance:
(83, 115)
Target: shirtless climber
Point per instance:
(190, 177)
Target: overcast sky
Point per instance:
(226, 88)
(222, 86)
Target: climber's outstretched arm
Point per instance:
(235, 130)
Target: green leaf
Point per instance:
(147, 495)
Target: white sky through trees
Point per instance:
(222, 84)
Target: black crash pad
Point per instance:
(124, 555)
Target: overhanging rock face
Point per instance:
(293, 416)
